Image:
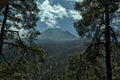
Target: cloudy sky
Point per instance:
(57, 14)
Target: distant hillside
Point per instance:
(58, 42)
(58, 47)
(56, 34)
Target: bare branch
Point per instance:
(17, 33)
(101, 35)
(11, 44)
(16, 5)
(91, 45)
(23, 46)
(7, 61)
(14, 18)
(113, 34)
(12, 31)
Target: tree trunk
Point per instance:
(107, 43)
(3, 27)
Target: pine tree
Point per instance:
(18, 35)
(97, 16)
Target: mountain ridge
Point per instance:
(56, 34)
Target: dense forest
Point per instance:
(56, 54)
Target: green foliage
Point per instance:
(94, 24)
(93, 16)
(72, 67)
(19, 38)
(92, 67)
(25, 65)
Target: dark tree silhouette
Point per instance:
(18, 16)
(95, 23)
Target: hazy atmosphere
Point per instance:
(59, 39)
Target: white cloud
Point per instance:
(60, 11)
(76, 0)
(75, 14)
(57, 26)
(50, 13)
(51, 23)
